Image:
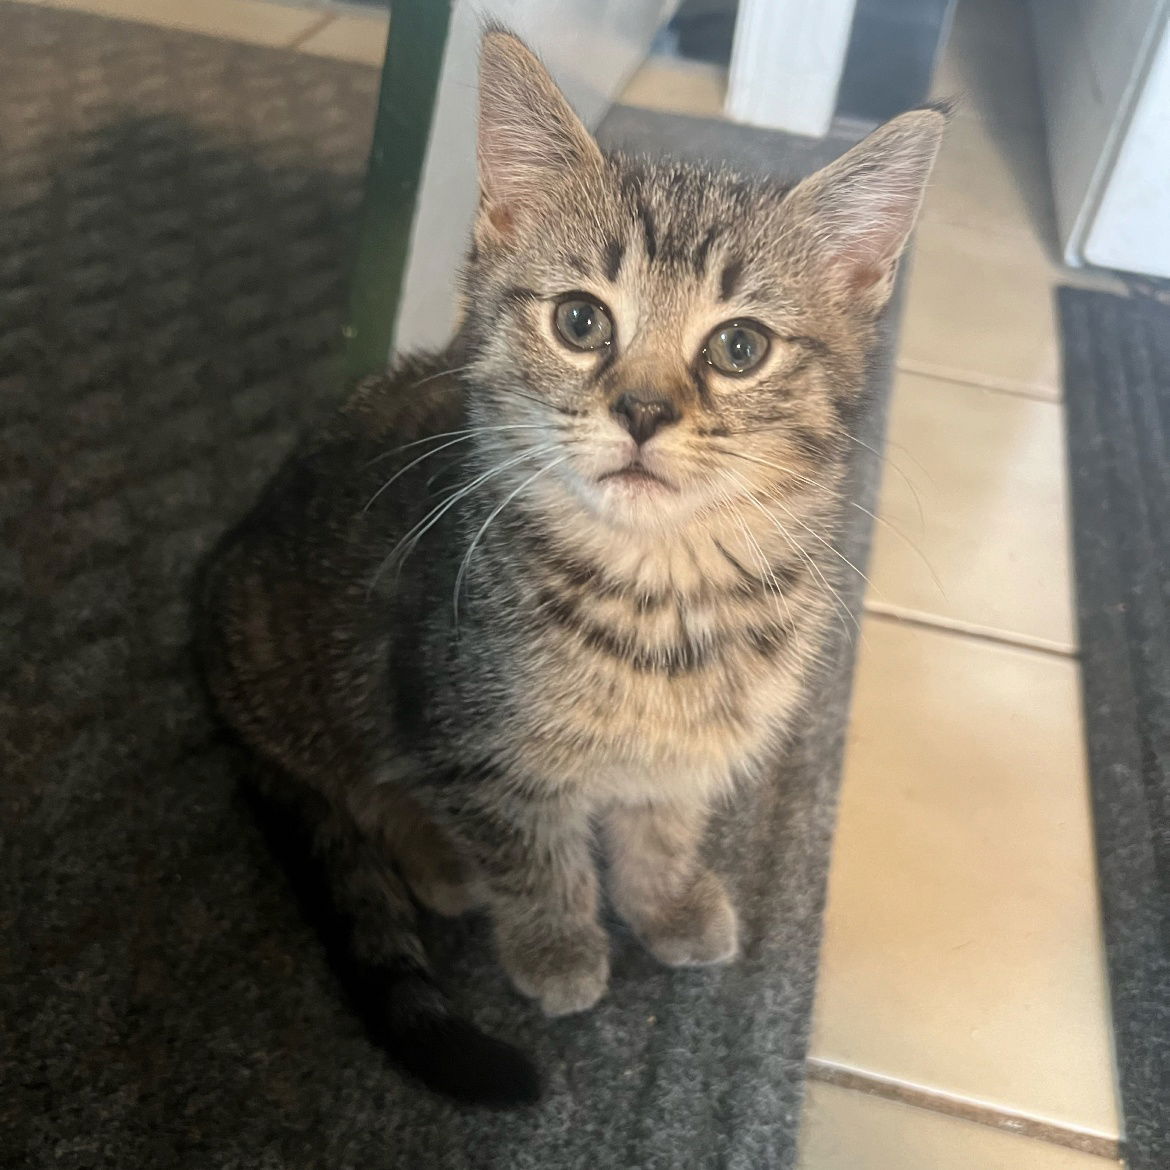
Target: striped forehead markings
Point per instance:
(701, 252)
(729, 279)
(649, 229)
(615, 252)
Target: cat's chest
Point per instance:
(622, 697)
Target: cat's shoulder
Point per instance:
(418, 396)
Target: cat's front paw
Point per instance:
(564, 973)
(697, 930)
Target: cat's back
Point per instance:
(284, 596)
(324, 493)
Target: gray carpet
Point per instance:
(176, 219)
(1117, 387)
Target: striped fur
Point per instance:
(469, 646)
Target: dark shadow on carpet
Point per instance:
(1117, 388)
(177, 216)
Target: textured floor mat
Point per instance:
(176, 217)
(1117, 385)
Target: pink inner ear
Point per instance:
(869, 255)
(859, 277)
(501, 218)
(859, 210)
(863, 261)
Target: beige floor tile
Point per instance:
(845, 1130)
(962, 949)
(977, 526)
(680, 87)
(351, 38)
(992, 174)
(980, 309)
(238, 20)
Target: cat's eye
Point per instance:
(583, 323)
(736, 347)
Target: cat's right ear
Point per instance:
(528, 133)
(857, 213)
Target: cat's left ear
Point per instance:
(528, 134)
(855, 215)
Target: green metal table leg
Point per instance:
(406, 106)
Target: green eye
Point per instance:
(736, 347)
(583, 323)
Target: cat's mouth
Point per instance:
(636, 474)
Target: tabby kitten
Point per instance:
(570, 576)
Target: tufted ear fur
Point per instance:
(528, 134)
(857, 213)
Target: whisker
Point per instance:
(799, 551)
(853, 504)
(464, 437)
(408, 542)
(465, 564)
(437, 475)
(565, 442)
(493, 389)
(528, 397)
(796, 519)
(903, 449)
(905, 478)
(413, 463)
(909, 543)
(469, 432)
(861, 443)
(780, 467)
(765, 568)
(817, 536)
(440, 374)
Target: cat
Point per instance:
(570, 578)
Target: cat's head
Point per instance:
(663, 339)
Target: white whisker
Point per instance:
(765, 570)
(410, 540)
(527, 397)
(801, 552)
(852, 503)
(903, 537)
(413, 463)
(440, 374)
(817, 536)
(465, 564)
(469, 432)
(905, 478)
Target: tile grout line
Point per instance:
(936, 1101)
(943, 625)
(926, 370)
(307, 34)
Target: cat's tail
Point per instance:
(411, 1018)
(366, 920)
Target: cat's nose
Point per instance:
(642, 417)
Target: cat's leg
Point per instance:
(369, 896)
(352, 890)
(675, 904)
(439, 876)
(535, 860)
